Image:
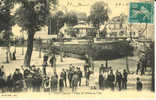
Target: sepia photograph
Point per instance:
(77, 49)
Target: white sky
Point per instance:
(73, 5)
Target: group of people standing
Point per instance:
(107, 79)
(52, 62)
(11, 83)
(35, 79)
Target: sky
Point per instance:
(116, 6)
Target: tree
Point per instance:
(56, 22)
(71, 18)
(6, 23)
(6, 19)
(149, 59)
(99, 13)
(31, 16)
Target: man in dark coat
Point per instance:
(9, 83)
(139, 85)
(18, 80)
(45, 64)
(61, 84)
(119, 80)
(124, 79)
(64, 75)
(138, 67)
(54, 83)
(116, 73)
(51, 61)
(44, 68)
(37, 82)
(70, 75)
(88, 73)
(79, 72)
(14, 55)
(86, 67)
(101, 80)
(111, 79)
(17, 75)
(45, 59)
(75, 80)
(2, 80)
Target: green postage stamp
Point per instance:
(141, 12)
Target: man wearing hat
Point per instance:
(45, 59)
(86, 67)
(80, 75)
(124, 79)
(17, 79)
(70, 75)
(61, 83)
(64, 75)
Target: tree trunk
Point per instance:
(28, 54)
(7, 53)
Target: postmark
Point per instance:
(141, 12)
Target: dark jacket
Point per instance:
(88, 74)
(45, 58)
(9, 82)
(64, 75)
(139, 85)
(17, 77)
(2, 81)
(86, 67)
(102, 69)
(61, 84)
(80, 74)
(111, 78)
(101, 80)
(119, 78)
(70, 75)
(125, 74)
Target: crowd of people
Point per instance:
(107, 79)
(35, 79)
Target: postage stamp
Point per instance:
(141, 12)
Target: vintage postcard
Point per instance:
(101, 49)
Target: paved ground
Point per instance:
(116, 64)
